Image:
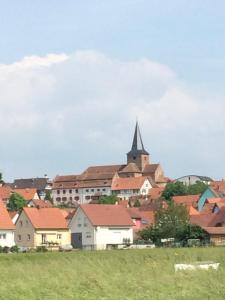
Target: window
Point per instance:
(58, 192)
(103, 190)
(85, 222)
(87, 190)
(64, 198)
(27, 223)
(3, 236)
(79, 222)
(71, 198)
(21, 223)
(28, 237)
(76, 191)
(19, 237)
(134, 157)
(98, 190)
(64, 191)
(92, 190)
(70, 191)
(76, 198)
(88, 235)
(43, 238)
(87, 197)
(58, 199)
(59, 236)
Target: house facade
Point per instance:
(42, 227)
(100, 226)
(7, 228)
(125, 188)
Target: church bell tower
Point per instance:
(138, 154)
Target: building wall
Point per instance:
(217, 239)
(78, 196)
(207, 194)
(141, 160)
(81, 224)
(112, 236)
(60, 236)
(7, 238)
(126, 194)
(24, 235)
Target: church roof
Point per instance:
(130, 168)
(137, 145)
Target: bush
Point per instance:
(1, 249)
(5, 249)
(14, 249)
(41, 249)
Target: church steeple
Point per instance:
(138, 154)
(137, 145)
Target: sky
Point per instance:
(75, 75)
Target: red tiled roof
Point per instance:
(42, 203)
(202, 220)
(218, 186)
(46, 218)
(156, 192)
(218, 217)
(186, 200)
(215, 230)
(5, 220)
(107, 215)
(27, 194)
(5, 192)
(128, 183)
(130, 168)
(215, 200)
(193, 211)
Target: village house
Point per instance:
(42, 185)
(124, 188)
(42, 227)
(96, 226)
(27, 194)
(7, 228)
(96, 181)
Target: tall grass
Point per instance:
(127, 274)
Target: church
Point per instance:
(96, 181)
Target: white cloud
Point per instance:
(60, 113)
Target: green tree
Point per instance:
(1, 179)
(198, 188)
(174, 189)
(48, 196)
(170, 222)
(16, 202)
(112, 199)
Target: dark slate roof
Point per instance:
(137, 145)
(37, 183)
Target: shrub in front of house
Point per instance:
(14, 249)
(41, 249)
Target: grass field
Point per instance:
(127, 274)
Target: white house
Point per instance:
(7, 228)
(97, 226)
(131, 186)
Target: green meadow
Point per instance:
(116, 274)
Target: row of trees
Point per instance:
(179, 189)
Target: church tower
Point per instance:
(138, 154)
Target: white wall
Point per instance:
(82, 194)
(81, 224)
(7, 238)
(112, 236)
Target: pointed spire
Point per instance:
(137, 145)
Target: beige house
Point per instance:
(42, 227)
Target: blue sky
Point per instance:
(176, 49)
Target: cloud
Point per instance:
(60, 113)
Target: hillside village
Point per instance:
(108, 206)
